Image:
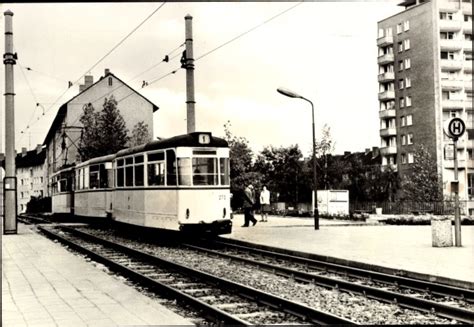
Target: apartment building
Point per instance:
(425, 79)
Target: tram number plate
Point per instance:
(222, 197)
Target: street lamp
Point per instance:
(292, 94)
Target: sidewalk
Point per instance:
(406, 248)
(45, 285)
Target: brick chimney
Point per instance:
(88, 81)
(23, 152)
(106, 72)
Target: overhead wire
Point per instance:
(108, 53)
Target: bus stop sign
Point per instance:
(456, 128)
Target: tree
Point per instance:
(104, 132)
(140, 134)
(422, 183)
(323, 149)
(241, 167)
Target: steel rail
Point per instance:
(309, 314)
(409, 302)
(399, 281)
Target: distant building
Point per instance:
(425, 79)
(31, 176)
(62, 139)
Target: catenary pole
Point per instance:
(9, 183)
(189, 65)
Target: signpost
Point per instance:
(455, 129)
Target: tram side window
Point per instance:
(224, 165)
(103, 179)
(129, 171)
(139, 171)
(184, 171)
(120, 172)
(170, 168)
(156, 168)
(205, 171)
(94, 176)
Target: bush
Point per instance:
(38, 204)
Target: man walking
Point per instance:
(249, 202)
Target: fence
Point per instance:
(410, 207)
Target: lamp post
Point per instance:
(292, 94)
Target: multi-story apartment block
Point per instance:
(425, 79)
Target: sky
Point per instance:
(324, 51)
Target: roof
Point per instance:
(63, 109)
(31, 159)
(191, 139)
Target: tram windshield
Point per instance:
(205, 171)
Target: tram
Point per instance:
(62, 191)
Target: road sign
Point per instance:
(456, 127)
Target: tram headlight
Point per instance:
(224, 213)
(187, 213)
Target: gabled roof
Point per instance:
(63, 109)
(30, 159)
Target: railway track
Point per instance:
(220, 300)
(30, 219)
(443, 300)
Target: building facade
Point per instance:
(425, 79)
(64, 135)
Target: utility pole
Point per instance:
(189, 66)
(10, 182)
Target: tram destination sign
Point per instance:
(456, 128)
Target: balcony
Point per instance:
(466, 8)
(451, 64)
(448, 6)
(468, 66)
(467, 45)
(391, 131)
(384, 40)
(386, 77)
(450, 45)
(449, 25)
(470, 144)
(387, 95)
(450, 164)
(389, 166)
(388, 150)
(385, 59)
(447, 84)
(387, 113)
(452, 104)
(467, 27)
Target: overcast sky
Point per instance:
(325, 51)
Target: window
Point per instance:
(399, 28)
(388, 31)
(468, 18)
(401, 84)
(156, 168)
(225, 171)
(403, 121)
(139, 171)
(447, 35)
(410, 138)
(404, 139)
(120, 173)
(408, 101)
(129, 171)
(402, 102)
(406, 44)
(446, 15)
(407, 82)
(205, 171)
(409, 120)
(110, 81)
(400, 46)
(448, 55)
(381, 33)
(470, 185)
(184, 171)
(400, 65)
(170, 168)
(468, 37)
(406, 25)
(410, 157)
(407, 63)
(94, 176)
(404, 158)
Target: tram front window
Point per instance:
(205, 171)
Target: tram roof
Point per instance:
(107, 158)
(186, 140)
